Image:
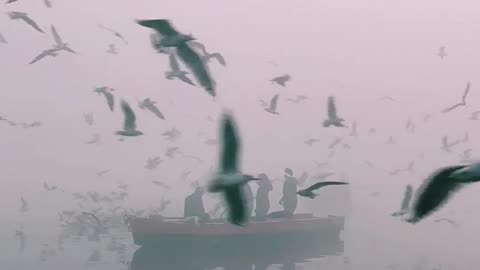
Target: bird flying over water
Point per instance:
(172, 38)
(229, 180)
(206, 55)
(407, 197)
(150, 105)
(437, 189)
(463, 102)
(129, 124)
(45, 53)
(24, 16)
(175, 71)
(308, 192)
(333, 119)
(107, 93)
(59, 44)
(273, 105)
(281, 80)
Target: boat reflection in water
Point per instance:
(180, 245)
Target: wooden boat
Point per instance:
(303, 235)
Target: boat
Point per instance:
(301, 236)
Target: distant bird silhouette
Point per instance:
(172, 38)
(107, 93)
(450, 221)
(273, 105)
(310, 142)
(171, 151)
(47, 3)
(59, 44)
(229, 180)
(175, 71)
(153, 163)
(129, 124)
(298, 99)
(10, 1)
(24, 205)
(150, 105)
(439, 187)
(101, 173)
(442, 52)
(445, 145)
(474, 115)
(281, 80)
(45, 53)
(161, 184)
(335, 143)
(463, 102)
(263, 103)
(88, 117)
(115, 33)
(206, 55)
(407, 197)
(112, 49)
(23, 16)
(2, 39)
(171, 134)
(333, 119)
(308, 192)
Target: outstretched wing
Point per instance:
(2, 39)
(161, 26)
(273, 102)
(235, 200)
(323, 184)
(465, 94)
(446, 110)
(199, 46)
(173, 62)
(32, 23)
(56, 36)
(407, 197)
(110, 99)
(196, 65)
(219, 58)
(184, 78)
(155, 110)
(331, 108)
(230, 144)
(129, 122)
(39, 57)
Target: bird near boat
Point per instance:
(309, 192)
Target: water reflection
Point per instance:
(254, 257)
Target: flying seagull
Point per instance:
(175, 71)
(229, 180)
(107, 93)
(281, 80)
(45, 53)
(463, 102)
(60, 45)
(115, 33)
(47, 3)
(150, 105)
(112, 49)
(439, 187)
(24, 16)
(441, 52)
(273, 105)
(407, 197)
(333, 119)
(129, 124)
(206, 55)
(3, 40)
(308, 192)
(172, 38)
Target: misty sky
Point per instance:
(358, 51)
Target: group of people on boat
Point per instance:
(194, 202)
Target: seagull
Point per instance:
(441, 52)
(445, 145)
(229, 180)
(461, 103)
(88, 117)
(115, 33)
(107, 93)
(150, 105)
(25, 18)
(310, 142)
(171, 134)
(172, 38)
(281, 80)
(175, 71)
(48, 187)
(273, 105)
(207, 56)
(298, 99)
(474, 115)
(450, 221)
(95, 139)
(333, 119)
(59, 44)
(129, 124)
(45, 53)
(2, 39)
(438, 188)
(407, 197)
(171, 151)
(112, 49)
(152, 163)
(308, 192)
(47, 3)
(101, 173)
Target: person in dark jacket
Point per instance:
(194, 204)
(262, 202)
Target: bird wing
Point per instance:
(230, 144)
(199, 46)
(273, 102)
(110, 99)
(184, 78)
(407, 197)
(40, 56)
(32, 23)
(129, 123)
(446, 110)
(56, 36)
(173, 62)
(331, 108)
(2, 39)
(198, 68)
(323, 184)
(235, 200)
(219, 58)
(434, 192)
(161, 26)
(465, 94)
(155, 110)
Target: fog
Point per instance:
(358, 51)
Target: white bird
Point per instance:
(59, 44)
(150, 105)
(107, 93)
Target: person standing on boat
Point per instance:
(289, 199)
(248, 199)
(194, 204)
(262, 202)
